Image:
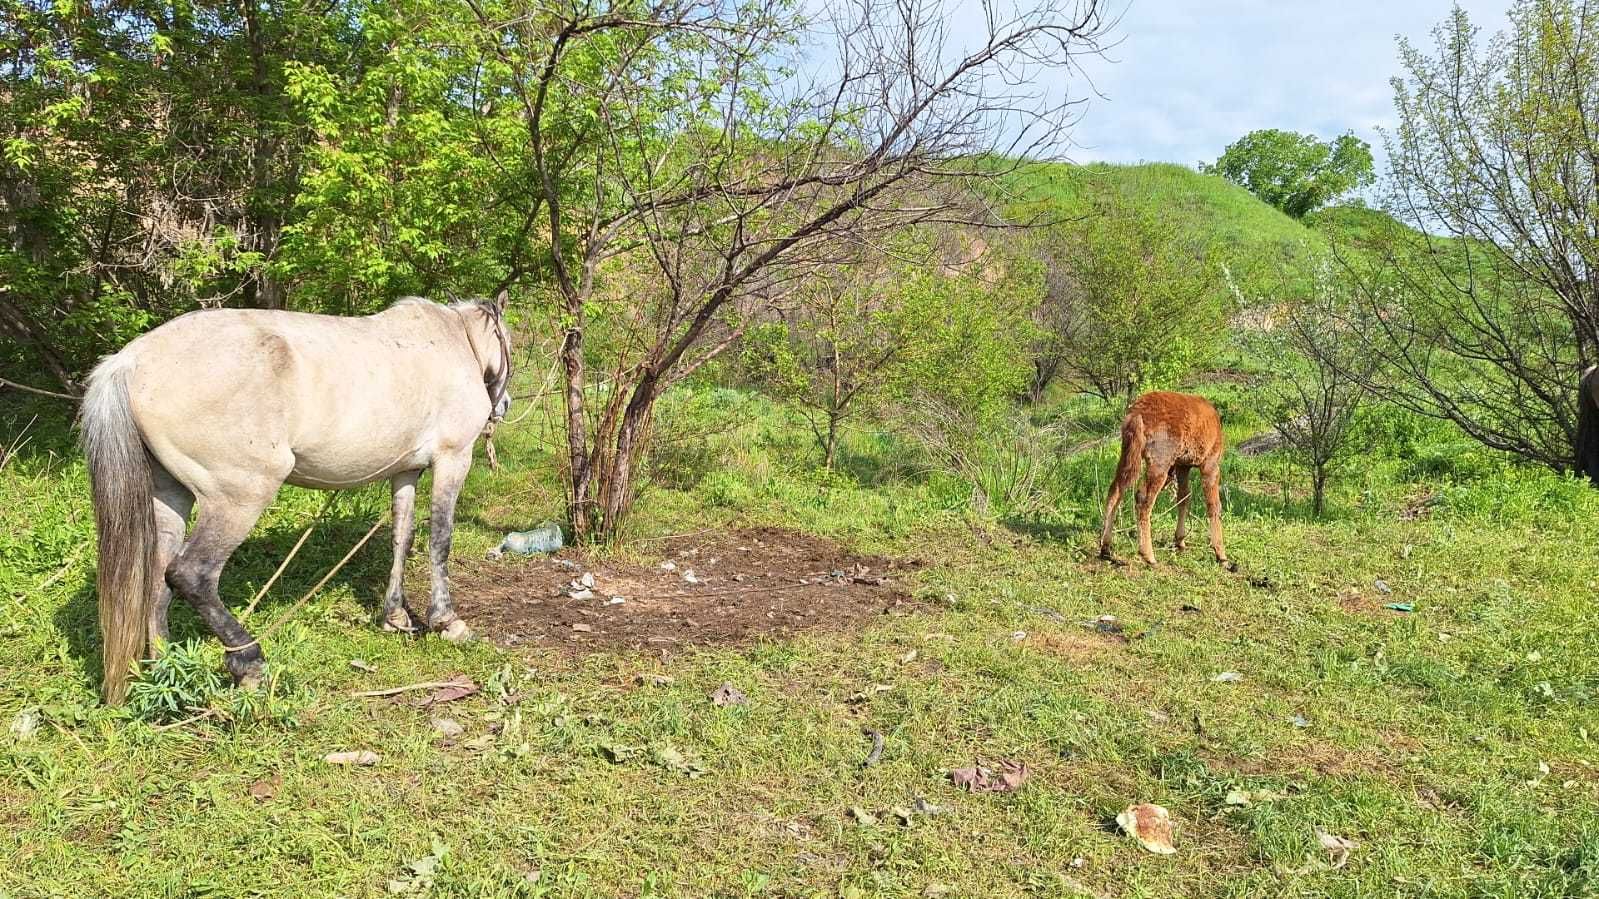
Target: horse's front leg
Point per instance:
(449, 474)
(395, 617)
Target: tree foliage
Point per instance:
(1318, 374)
(149, 155)
(1132, 300)
(1486, 309)
(1296, 173)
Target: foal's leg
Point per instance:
(224, 521)
(394, 617)
(449, 474)
(1148, 492)
(1182, 508)
(172, 504)
(1107, 531)
(1212, 476)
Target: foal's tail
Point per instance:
(1588, 425)
(124, 518)
(1134, 437)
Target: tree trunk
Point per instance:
(1318, 480)
(580, 505)
(830, 446)
(16, 322)
(265, 225)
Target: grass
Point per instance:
(1454, 744)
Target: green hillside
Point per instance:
(1262, 245)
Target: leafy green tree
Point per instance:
(149, 154)
(1294, 172)
(1137, 301)
(1317, 375)
(684, 181)
(1478, 293)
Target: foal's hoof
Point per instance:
(1106, 555)
(1229, 565)
(398, 622)
(456, 631)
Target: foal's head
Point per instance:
(491, 342)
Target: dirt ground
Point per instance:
(714, 588)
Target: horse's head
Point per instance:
(491, 343)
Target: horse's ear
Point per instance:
(502, 299)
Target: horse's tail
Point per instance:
(124, 519)
(1588, 425)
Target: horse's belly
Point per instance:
(340, 467)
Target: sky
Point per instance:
(1191, 76)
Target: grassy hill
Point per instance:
(1263, 246)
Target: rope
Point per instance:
(312, 592)
(488, 445)
(288, 558)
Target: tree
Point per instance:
(1295, 172)
(1318, 375)
(148, 157)
(684, 181)
(1486, 308)
(1133, 300)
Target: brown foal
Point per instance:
(1171, 434)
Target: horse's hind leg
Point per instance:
(1180, 542)
(449, 474)
(395, 617)
(172, 504)
(224, 521)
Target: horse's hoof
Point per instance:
(247, 667)
(1230, 565)
(398, 622)
(456, 631)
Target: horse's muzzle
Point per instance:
(502, 406)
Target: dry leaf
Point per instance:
(1228, 677)
(866, 818)
(583, 628)
(266, 787)
(448, 727)
(727, 694)
(1150, 825)
(356, 757)
(363, 665)
(459, 688)
(25, 725)
(1008, 778)
(654, 680)
(1337, 847)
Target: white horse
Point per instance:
(225, 406)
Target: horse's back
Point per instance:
(317, 399)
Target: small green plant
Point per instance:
(185, 682)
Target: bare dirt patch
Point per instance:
(716, 588)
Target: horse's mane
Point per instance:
(424, 301)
